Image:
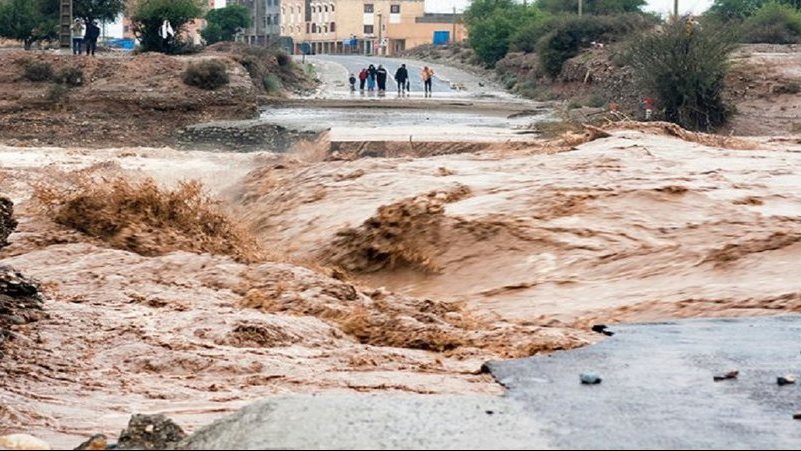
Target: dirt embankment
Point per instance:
(130, 100)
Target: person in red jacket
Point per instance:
(362, 79)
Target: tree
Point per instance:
(492, 24)
(742, 9)
(224, 23)
(773, 23)
(598, 7)
(147, 17)
(685, 66)
(29, 21)
(100, 10)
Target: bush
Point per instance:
(491, 25)
(773, 23)
(70, 76)
(283, 59)
(788, 88)
(685, 68)
(272, 83)
(571, 34)
(209, 75)
(56, 94)
(38, 71)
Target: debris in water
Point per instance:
(722, 377)
(602, 329)
(96, 442)
(785, 380)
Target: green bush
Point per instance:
(70, 76)
(492, 23)
(38, 71)
(571, 34)
(147, 17)
(773, 23)
(57, 94)
(209, 75)
(684, 67)
(272, 84)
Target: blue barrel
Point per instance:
(442, 37)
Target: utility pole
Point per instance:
(453, 36)
(65, 24)
(581, 7)
(380, 35)
(676, 8)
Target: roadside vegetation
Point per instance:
(616, 57)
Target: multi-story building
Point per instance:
(265, 21)
(364, 26)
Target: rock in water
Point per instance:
(7, 222)
(22, 441)
(722, 377)
(96, 442)
(150, 432)
(590, 378)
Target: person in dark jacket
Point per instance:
(381, 78)
(90, 38)
(371, 75)
(402, 77)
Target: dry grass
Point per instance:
(143, 217)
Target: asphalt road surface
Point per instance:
(657, 393)
(353, 64)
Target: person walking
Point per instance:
(428, 78)
(381, 76)
(402, 77)
(77, 37)
(371, 75)
(362, 79)
(90, 38)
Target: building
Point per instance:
(265, 19)
(383, 27)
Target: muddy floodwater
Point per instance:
(386, 274)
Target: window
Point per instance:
(394, 9)
(368, 8)
(308, 27)
(333, 27)
(368, 29)
(325, 8)
(325, 28)
(314, 28)
(332, 8)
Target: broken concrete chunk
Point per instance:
(590, 378)
(150, 432)
(725, 376)
(785, 380)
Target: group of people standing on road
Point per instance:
(372, 77)
(84, 36)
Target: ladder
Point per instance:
(65, 24)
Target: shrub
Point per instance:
(788, 88)
(38, 71)
(272, 83)
(773, 23)
(70, 76)
(571, 34)
(223, 23)
(209, 75)
(283, 59)
(492, 23)
(56, 94)
(685, 68)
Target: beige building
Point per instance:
(381, 27)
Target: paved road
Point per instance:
(657, 389)
(335, 69)
(657, 393)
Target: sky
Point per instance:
(660, 6)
